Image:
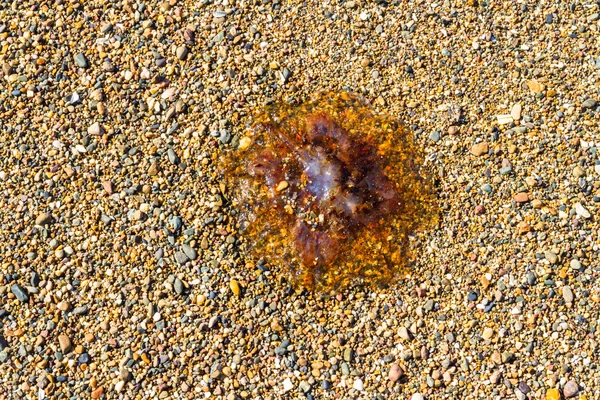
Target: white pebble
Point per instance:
(582, 211)
(287, 385)
(358, 385)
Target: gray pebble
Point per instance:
(589, 103)
(173, 159)
(189, 251)
(178, 286)
(81, 310)
(19, 293)
(181, 258)
(305, 386)
(81, 60)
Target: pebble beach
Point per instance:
(123, 273)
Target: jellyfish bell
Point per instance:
(327, 188)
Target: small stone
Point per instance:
(523, 387)
(358, 385)
(172, 156)
(575, 264)
(178, 286)
(181, 257)
(182, 52)
(479, 149)
(417, 396)
(504, 119)
(521, 197)
(287, 385)
(119, 386)
(404, 333)
(235, 287)
(125, 375)
(189, 251)
(304, 386)
(552, 394)
(281, 186)
(395, 373)
(43, 219)
(108, 186)
(515, 112)
(348, 354)
(507, 357)
(19, 293)
(83, 310)
(567, 294)
(571, 389)
(245, 142)
(496, 377)
(64, 343)
(487, 333)
(582, 211)
(96, 129)
(535, 86)
(97, 393)
(589, 103)
(435, 136)
(81, 60)
(578, 172)
(84, 358)
(551, 257)
(524, 227)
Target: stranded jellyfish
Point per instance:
(330, 191)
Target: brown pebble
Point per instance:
(479, 149)
(43, 219)
(97, 393)
(64, 343)
(108, 186)
(395, 373)
(453, 130)
(521, 197)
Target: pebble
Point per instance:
(43, 219)
(189, 251)
(582, 211)
(358, 384)
(521, 198)
(589, 103)
(395, 373)
(404, 333)
(515, 112)
(19, 293)
(81, 60)
(235, 287)
(65, 344)
(287, 385)
(553, 394)
(479, 149)
(567, 294)
(571, 389)
(181, 257)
